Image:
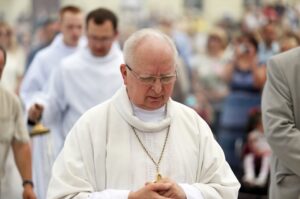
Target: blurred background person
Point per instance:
(245, 77)
(82, 80)
(268, 45)
(256, 153)
(46, 31)
(14, 139)
(288, 41)
(11, 79)
(34, 86)
(208, 69)
(16, 58)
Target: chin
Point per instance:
(100, 54)
(156, 105)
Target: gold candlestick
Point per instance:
(39, 129)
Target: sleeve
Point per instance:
(73, 173)
(278, 118)
(215, 177)
(191, 192)
(20, 131)
(110, 194)
(33, 82)
(54, 99)
(70, 172)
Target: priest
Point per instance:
(141, 143)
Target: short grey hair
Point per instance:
(134, 40)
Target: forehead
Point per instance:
(71, 17)
(106, 28)
(154, 51)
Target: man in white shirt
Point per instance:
(35, 83)
(141, 143)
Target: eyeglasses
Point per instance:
(150, 80)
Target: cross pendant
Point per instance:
(158, 177)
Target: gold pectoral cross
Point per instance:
(158, 177)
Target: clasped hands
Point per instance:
(164, 189)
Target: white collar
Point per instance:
(124, 107)
(114, 52)
(149, 116)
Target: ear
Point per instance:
(124, 73)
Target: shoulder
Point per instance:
(8, 98)
(187, 115)
(43, 53)
(94, 116)
(285, 65)
(285, 59)
(70, 61)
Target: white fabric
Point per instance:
(101, 152)
(14, 69)
(149, 116)
(82, 81)
(34, 86)
(191, 191)
(40, 70)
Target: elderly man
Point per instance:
(140, 143)
(281, 121)
(13, 133)
(36, 81)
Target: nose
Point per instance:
(157, 86)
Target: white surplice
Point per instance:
(79, 83)
(33, 89)
(40, 70)
(102, 157)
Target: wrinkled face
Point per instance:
(100, 37)
(152, 58)
(1, 63)
(71, 26)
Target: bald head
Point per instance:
(148, 39)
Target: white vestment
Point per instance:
(33, 88)
(40, 70)
(81, 82)
(103, 157)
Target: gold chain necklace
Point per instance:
(158, 175)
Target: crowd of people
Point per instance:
(163, 113)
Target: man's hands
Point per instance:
(35, 113)
(164, 189)
(28, 192)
